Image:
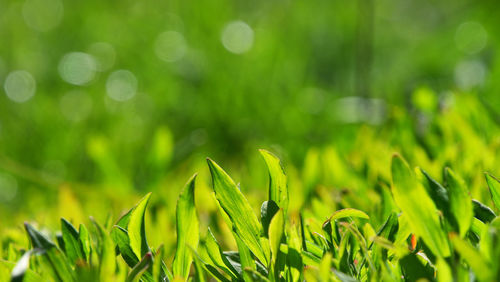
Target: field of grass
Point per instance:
(277, 140)
(414, 199)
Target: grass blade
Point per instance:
(245, 222)
(278, 190)
(71, 242)
(348, 212)
(140, 268)
(422, 215)
(473, 258)
(494, 185)
(460, 201)
(187, 230)
(52, 254)
(136, 228)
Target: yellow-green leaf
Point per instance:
(460, 201)
(236, 206)
(187, 230)
(278, 190)
(413, 200)
(494, 185)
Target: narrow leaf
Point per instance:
(414, 201)
(276, 232)
(136, 228)
(71, 240)
(140, 268)
(460, 201)
(348, 212)
(187, 230)
(494, 185)
(278, 190)
(245, 222)
(473, 258)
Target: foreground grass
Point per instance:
(434, 231)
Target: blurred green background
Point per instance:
(126, 92)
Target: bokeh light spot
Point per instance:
(77, 68)
(471, 37)
(237, 37)
(104, 54)
(121, 85)
(20, 86)
(170, 46)
(76, 105)
(43, 15)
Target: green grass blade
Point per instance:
(460, 201)
(494, 185)
(482, 211)
(121, 239)
(437, 192)
(52, 254)
(216, 255)
(140, 268)
(276, 232)
(246, 258)
(473, 258)
(71, 239)
(136, 228)
(421, 214)
(84, 240)
(348, 212)
(245, 222)
(278, 190)
(267, 212)
(107, 261)
(187, 230)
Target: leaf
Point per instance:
(494, 185)
(120, 237)
(208, 268)
(157, 264)
(187, 230)
(140, 268)
(245, 257)
(443, 271)
(236, 206)
(437, 192)
(460, 201)
(52, 254)
(136, 228)
(483, 212)
(414, 270)
(474, 259)
(217, 256)
(421, 213)
(276, 232)
(84, 239)
(278, 190)
(71, 240)
(347, 212)
(267, 212)
(107, 257)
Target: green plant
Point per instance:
(433, 232)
